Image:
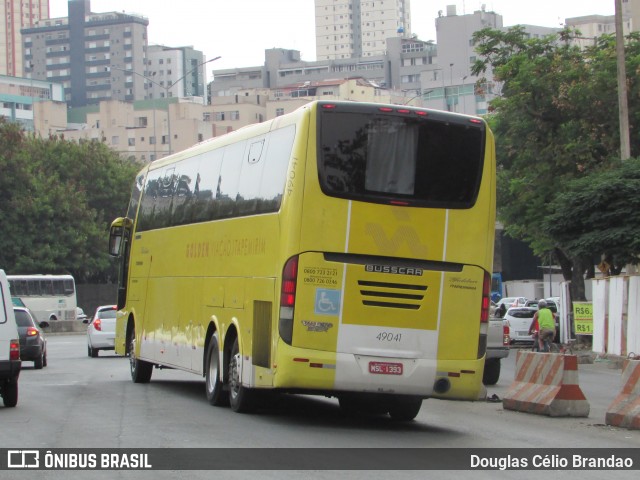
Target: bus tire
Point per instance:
(140, 370)
(404, 409)
(491, 372)
(10, 392)
(216, 395)
(240, 397)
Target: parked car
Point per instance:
(80, 315)
(101, 332)
(505, 303)
(33, 344)
(519, 320)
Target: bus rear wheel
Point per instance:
(404, 409)
(240, 397)
(140, 370)
(216, 395)
(491, 372)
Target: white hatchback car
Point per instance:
(101, 332)
(519, 320)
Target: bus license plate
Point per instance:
(384, 368)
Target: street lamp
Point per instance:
(166, 90)
(419, 94)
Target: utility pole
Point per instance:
(623, 108)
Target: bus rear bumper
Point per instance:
(332, 373)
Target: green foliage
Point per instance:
(557, 121)
(57, 199)
(600, 212)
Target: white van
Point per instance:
(10, 363)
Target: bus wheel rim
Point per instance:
(132, 353)
(234, 375)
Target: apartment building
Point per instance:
(593, 26)
(15, 15)
(359, 28)
(631, 9)
(90, 54)
(151, 129)
(175, 72)
(19, 98)
(143, 130)
(399, 69)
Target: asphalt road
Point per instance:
(78, 402)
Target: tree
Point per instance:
(57, 200)
(556, 121)
(600, 213)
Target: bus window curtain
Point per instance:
(391, 157)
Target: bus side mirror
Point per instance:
(115, 240)
(119, 228)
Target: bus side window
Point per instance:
(184, 196)
(34, 288)
(46, 287)
(274, 173)
(146, 214)
(58, 287)
(227, 189)
(250, 176)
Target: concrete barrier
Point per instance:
(546, 384)
(65, 326)
(624, 411)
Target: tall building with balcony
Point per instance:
(90, 54)
(17, 14)
(359, 28)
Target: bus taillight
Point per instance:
(486, 301)
(288, 299)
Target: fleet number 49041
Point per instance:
(389, 337)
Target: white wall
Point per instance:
(616, 315)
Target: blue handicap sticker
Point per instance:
(327, 302)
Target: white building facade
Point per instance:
(359, 28)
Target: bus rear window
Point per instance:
(368, 155)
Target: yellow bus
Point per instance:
(344, 249)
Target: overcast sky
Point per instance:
(240, 30)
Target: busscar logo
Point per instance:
(417, 272)
(23, 459)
